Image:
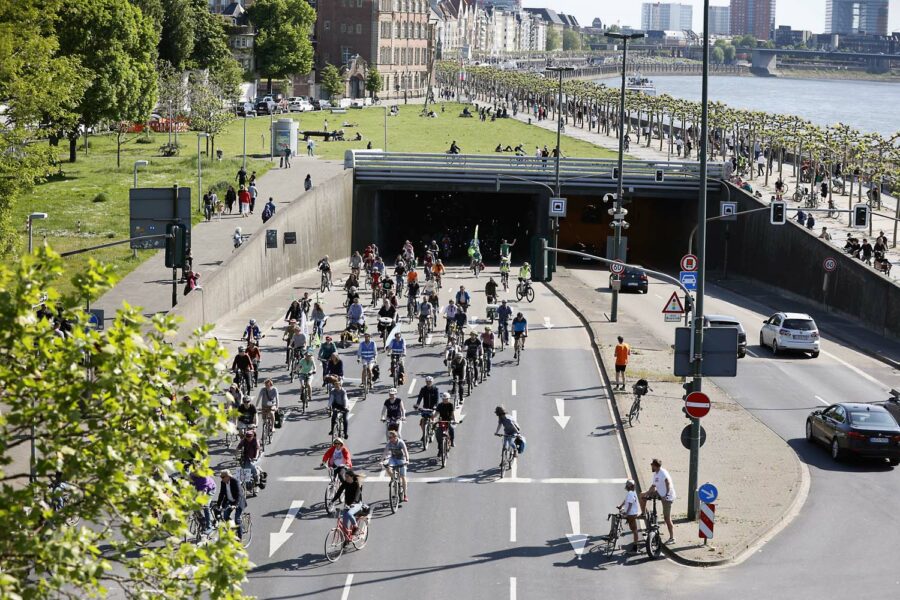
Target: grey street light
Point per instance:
(31, 218)
(617, 220)
(244, 163)
(138, 163)
(554, 223)
(384, 106)
(200, 134)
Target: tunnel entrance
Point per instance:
(422, 216)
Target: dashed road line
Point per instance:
(412, 386)
(346, 593)
(513, 387)
(512, 588)
(822, 400)
(512, 524)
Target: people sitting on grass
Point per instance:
(500, 148)
(465, 112)
(454, 149)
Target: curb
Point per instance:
(752, 547)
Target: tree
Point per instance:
(282, 45)
(717, 55)
(730, 53)
(116, 414)
(207, 109)
(373, 81)
(176, 40)
(332, 82)
(553, 40)
(120, 55)
(571, 40)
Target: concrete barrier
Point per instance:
(322, 220)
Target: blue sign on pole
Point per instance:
(708, 493)
(689, 280)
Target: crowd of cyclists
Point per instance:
(397, 292)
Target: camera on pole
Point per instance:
(778, 213)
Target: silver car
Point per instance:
(790, 331)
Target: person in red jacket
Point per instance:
(338, 458)
(244, 199)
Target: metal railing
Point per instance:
(487, 168)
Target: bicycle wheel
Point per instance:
(394, 493)
(269, 431)
(329, 495)
(633, 412)
(444, 443)
(529, 293)
(613, 537)
(291, 369)
(334, 544)
(323, 284)
(504, 461)
(362, 533)
(519, 293)
(247, 527)
(194, 531)
(653, 544)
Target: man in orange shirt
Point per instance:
(623, 350)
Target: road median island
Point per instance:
(761, 481)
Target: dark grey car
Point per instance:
(633, 280)
(849, 428)
(727, 321)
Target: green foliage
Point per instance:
(717, 55)
(176, 40)
(553, 41)
(332, 83)
(282, 46)
(571, 40)
(373, 80)
(744, 41)
(101, 197)
(115, 413)
(730, 53)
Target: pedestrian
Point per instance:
(662, 489)
(230, 198)
(237, 238)
(281, 158)
(252, 179)
(244, 201)
(191, 284)
(310, 147)
(629, 509)
(325, 126)
(253, 193)
(269, 210)
(622, 351)
(810, 221)
(866, 249)
(241, 176)
(287, 157)
(825, 235)
(679, 145)
(307, 183)
(208, 205)
(760, 164)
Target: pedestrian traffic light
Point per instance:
(176, 246)
(860, 216)
(777, 213)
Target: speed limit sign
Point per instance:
(617, 267)
(829, 264)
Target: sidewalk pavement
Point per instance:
(150, 285)
(765, 488)
(838, 227)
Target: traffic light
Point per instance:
(777, 213)
(860, 216)
(176, 246)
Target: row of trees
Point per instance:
(877, 158)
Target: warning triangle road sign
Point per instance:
(673, 306)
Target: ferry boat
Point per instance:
(642, 85)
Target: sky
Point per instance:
(799, 14)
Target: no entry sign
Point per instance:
(697, 405)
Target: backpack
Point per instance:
(376, 373)
(267, 213)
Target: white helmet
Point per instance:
(445, 396)
(392, 391)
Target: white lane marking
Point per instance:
(512, 588)
(560, 415)
(382, 478)
(512, 524)
(658, 296)
(583, 480)
(412, 386)
(576, 538)
(752, 353)
(428, 339)
(857, 370)
(513, 387)
(346, 593)
(820, 399)
(277, 539)
(547, 323)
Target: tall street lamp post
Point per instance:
(244, 163)
(31, 218)
(138, 163)
(554, 222)
(617, 217)
(200, 135)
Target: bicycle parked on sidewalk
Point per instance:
(652, 539)
(639, 389)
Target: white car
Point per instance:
(298, 104)
(790, 331)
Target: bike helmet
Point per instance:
(392, 391)
(526, 265)
(445, 396)
(429, 379)
(253, 321)
(499, 411)
(240, 348)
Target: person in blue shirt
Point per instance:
(355, 314)
(520, 328)
(397, 348)
(366, 354)
(504, 312)
(252, 332)
(463, 298)
(378, 265)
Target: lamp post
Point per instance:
(271, 136)
(617, 220)
(554, 223)
(384, 106)
(138, 163)
(200, 134)
(244, 163)
(31, 218)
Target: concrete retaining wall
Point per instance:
(790, 257)
(322, 219)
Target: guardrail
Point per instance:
(487, 169)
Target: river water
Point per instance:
(870, 106)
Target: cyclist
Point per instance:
(458, 366)
(298, 344)
(463, 298)
(629, 509)
(250, 451)
(246, 415)
(393, 412)
(387, 285)
(255, 357)
(327, 348)
(409, 253)
(203, 484)
(242, 366)
(251, 332)
(267, 402)
(425, 311)
(356, 318)
(293, 312)
(399, 272)
(292, 328)
(307, 367)
(412, 292)
(504, 270)
(387, 317)
(334, 369)
(338, 405)
(356, 263)
(490, 291)
(487, 344)
(325, 267)
(318, 318)
(451, 350)
(352, 291)
(397, 457)
(397, 348)
(461, 319)
(428, 263)
(450, 315)
(473, 351)
(337, 458)
(351, 487)
(434, 248)
(446, 411)
(438, 271)
(505, 249)
(525, 273)
(366, 354)
(504, 312)
(377, 266)
(232, 499)
(520, 328)
(510, 428)
(427, 400)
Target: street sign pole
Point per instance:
(694, 466)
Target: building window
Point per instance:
(359, 29)
(346, 55)
(343, 28)
(397, 30)
(327, 25)
(358, 3)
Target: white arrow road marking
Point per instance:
(512, 524)
(576, 538)
(350, 404)
(412, 386)
(822, 400)
(512, 588)
(277, 540)
(513, 387)
(560, 417)
(547, 323)
(346, 593)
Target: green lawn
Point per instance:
(77, 221)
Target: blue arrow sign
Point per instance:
(708, 493)
(688, 279)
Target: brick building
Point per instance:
(753, 17)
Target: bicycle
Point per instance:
(508, 453)
(427, 430)
(470, 376)
(520, 348)
(305, 392)
(639, 389)
(268, 427)
(242, 378)
(391, 425)
(443, 441)
(325, 283)
(195, 531)
(424, 330)
(330, 490)
(396, 371)
(524, 290)
(503, 334)
(365, 380)
(652, 540)
(338, 431)
(393, 488)
(341, 536)
(457, 391)
(411, 309)
(294, 363)
(246, 524)
(615, 530)
(504, 280)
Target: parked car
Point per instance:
(790, 331)
(727, 321)
(270, 105)
(298, 104)
(325, 104)
(633, 280)
(246, 109)
(850, 428)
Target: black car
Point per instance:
(633, 280)
(727, 321)
(850, 428)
